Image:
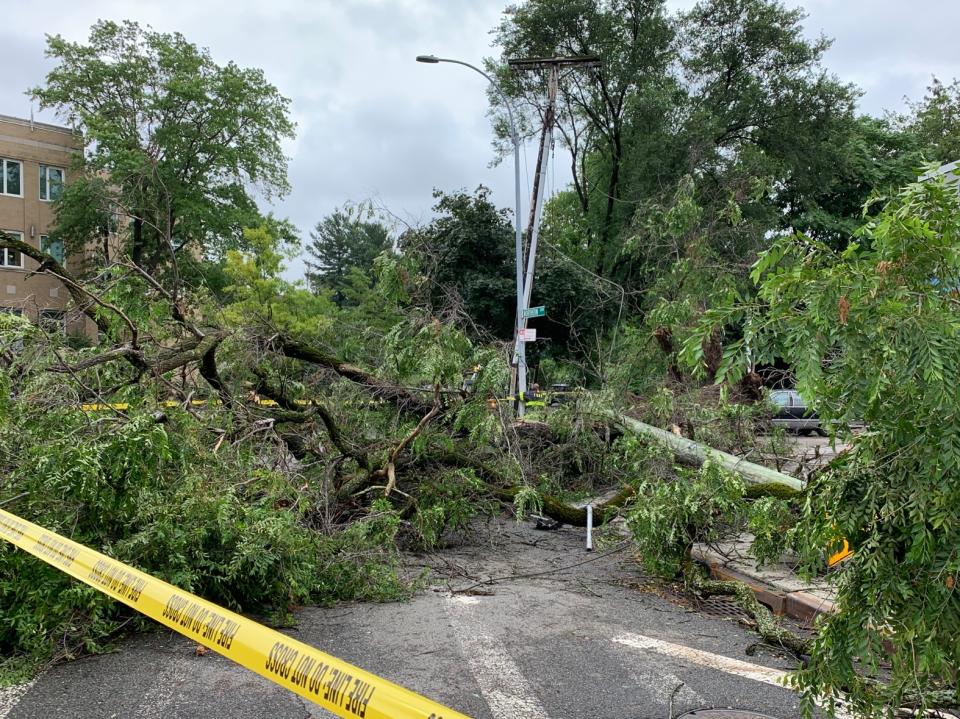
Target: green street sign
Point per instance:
(533, 312)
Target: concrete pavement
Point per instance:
(563, 633)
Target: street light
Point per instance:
(519, 347)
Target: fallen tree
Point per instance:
(695, 454)
(386, 439)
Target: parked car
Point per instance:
(793, 412)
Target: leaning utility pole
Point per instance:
(552, 65)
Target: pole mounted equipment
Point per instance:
(545, 63)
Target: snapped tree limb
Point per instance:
(399, 396)
(686, 450)
(268, 389)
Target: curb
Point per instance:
(800, 606)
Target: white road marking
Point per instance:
(719, 662)
(504, 688)
(10, 697)
(664, 687)
(705, 659)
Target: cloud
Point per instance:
(28, 71)
(373, 123)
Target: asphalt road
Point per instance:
(595, 640)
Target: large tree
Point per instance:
(633, 39)
(340, 242)
(186, 144)
(467, 254)
(731, 93)
(467, 259)
(936, 121)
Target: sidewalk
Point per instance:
(776, 586)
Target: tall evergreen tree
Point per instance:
(346, 239)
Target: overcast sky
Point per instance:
(372, 123)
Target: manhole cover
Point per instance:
(723, 607)
(724, 714)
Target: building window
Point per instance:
(10, 176)
(51, 183)
(11, 258)
(52, 246)
(53, 322)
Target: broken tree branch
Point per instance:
(268, 389)
(688, 451)
(398, 396)
(391, 462)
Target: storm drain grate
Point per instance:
(724, 714)
(724, 608)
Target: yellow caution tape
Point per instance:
(337, 686)
(93, 406)
(492, 402)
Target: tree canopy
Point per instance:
(344, 240)
(935, 120)
(187, 145)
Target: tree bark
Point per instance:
(268, 389)
(664, 338)
(686, 450)
(402, 398)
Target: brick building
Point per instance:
(35, 162)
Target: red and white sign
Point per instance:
(528, 334)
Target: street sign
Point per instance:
(533, 312)
(527, 335)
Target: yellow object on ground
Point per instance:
(840, 554)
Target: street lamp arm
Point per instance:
(496, 86)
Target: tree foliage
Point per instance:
(345, 240)
(935, 120)
(262, 446)
(187, 144)
(871, 334)
(597, 110)
(730, 93)
(467, 255)
(466, 260)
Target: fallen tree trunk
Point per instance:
(690, 452)
(768, 626)
(552, 506)
(399, 396)
(574, 516)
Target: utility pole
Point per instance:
(518, 378)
